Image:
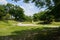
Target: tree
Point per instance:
(56, 12)
(40, 16)
(28, 18)
(43, 16)
(2, 12)
(9, 10)
(46, 17)
(17, 12)
(36, 17)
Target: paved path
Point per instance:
(20, 24)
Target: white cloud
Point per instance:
(29, 9)
(3, 2)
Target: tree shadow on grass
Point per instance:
(44, 23)
(34, 34)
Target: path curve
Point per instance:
(20, 24)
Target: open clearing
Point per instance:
(6, 28)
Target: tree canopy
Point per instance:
(13, 10)
(42, 3)
(2, 11)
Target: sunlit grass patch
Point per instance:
(6, 28)
(56, 23)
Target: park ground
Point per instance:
(13, 30)
(7, 27)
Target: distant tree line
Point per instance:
(53, 7)
(49, 15)
(10, 11)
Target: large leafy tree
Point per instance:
(13, 10)
(2, 11)
(40, 16)
(36, 17)
(28, 18)
(17, 12)
(55, 12)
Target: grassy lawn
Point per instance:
(9, 31)
(56, 23)
(7, 27)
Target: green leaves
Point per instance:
(17, 12)
(13, 10)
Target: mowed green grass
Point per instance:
(7, 27)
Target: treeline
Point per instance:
(48, 15)
(14, 12)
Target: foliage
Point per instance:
(55, 12)
(9, 10)
(43, 3)
(52, 5)
(36, 17)
(28, 18)
(17, 12)
(2, 12)
(39, 15)
(43, 16)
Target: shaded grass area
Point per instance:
(6, 28)
(8, 31)
(34, 34)
(26, 22)
(51, 24)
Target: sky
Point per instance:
(29, 8)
